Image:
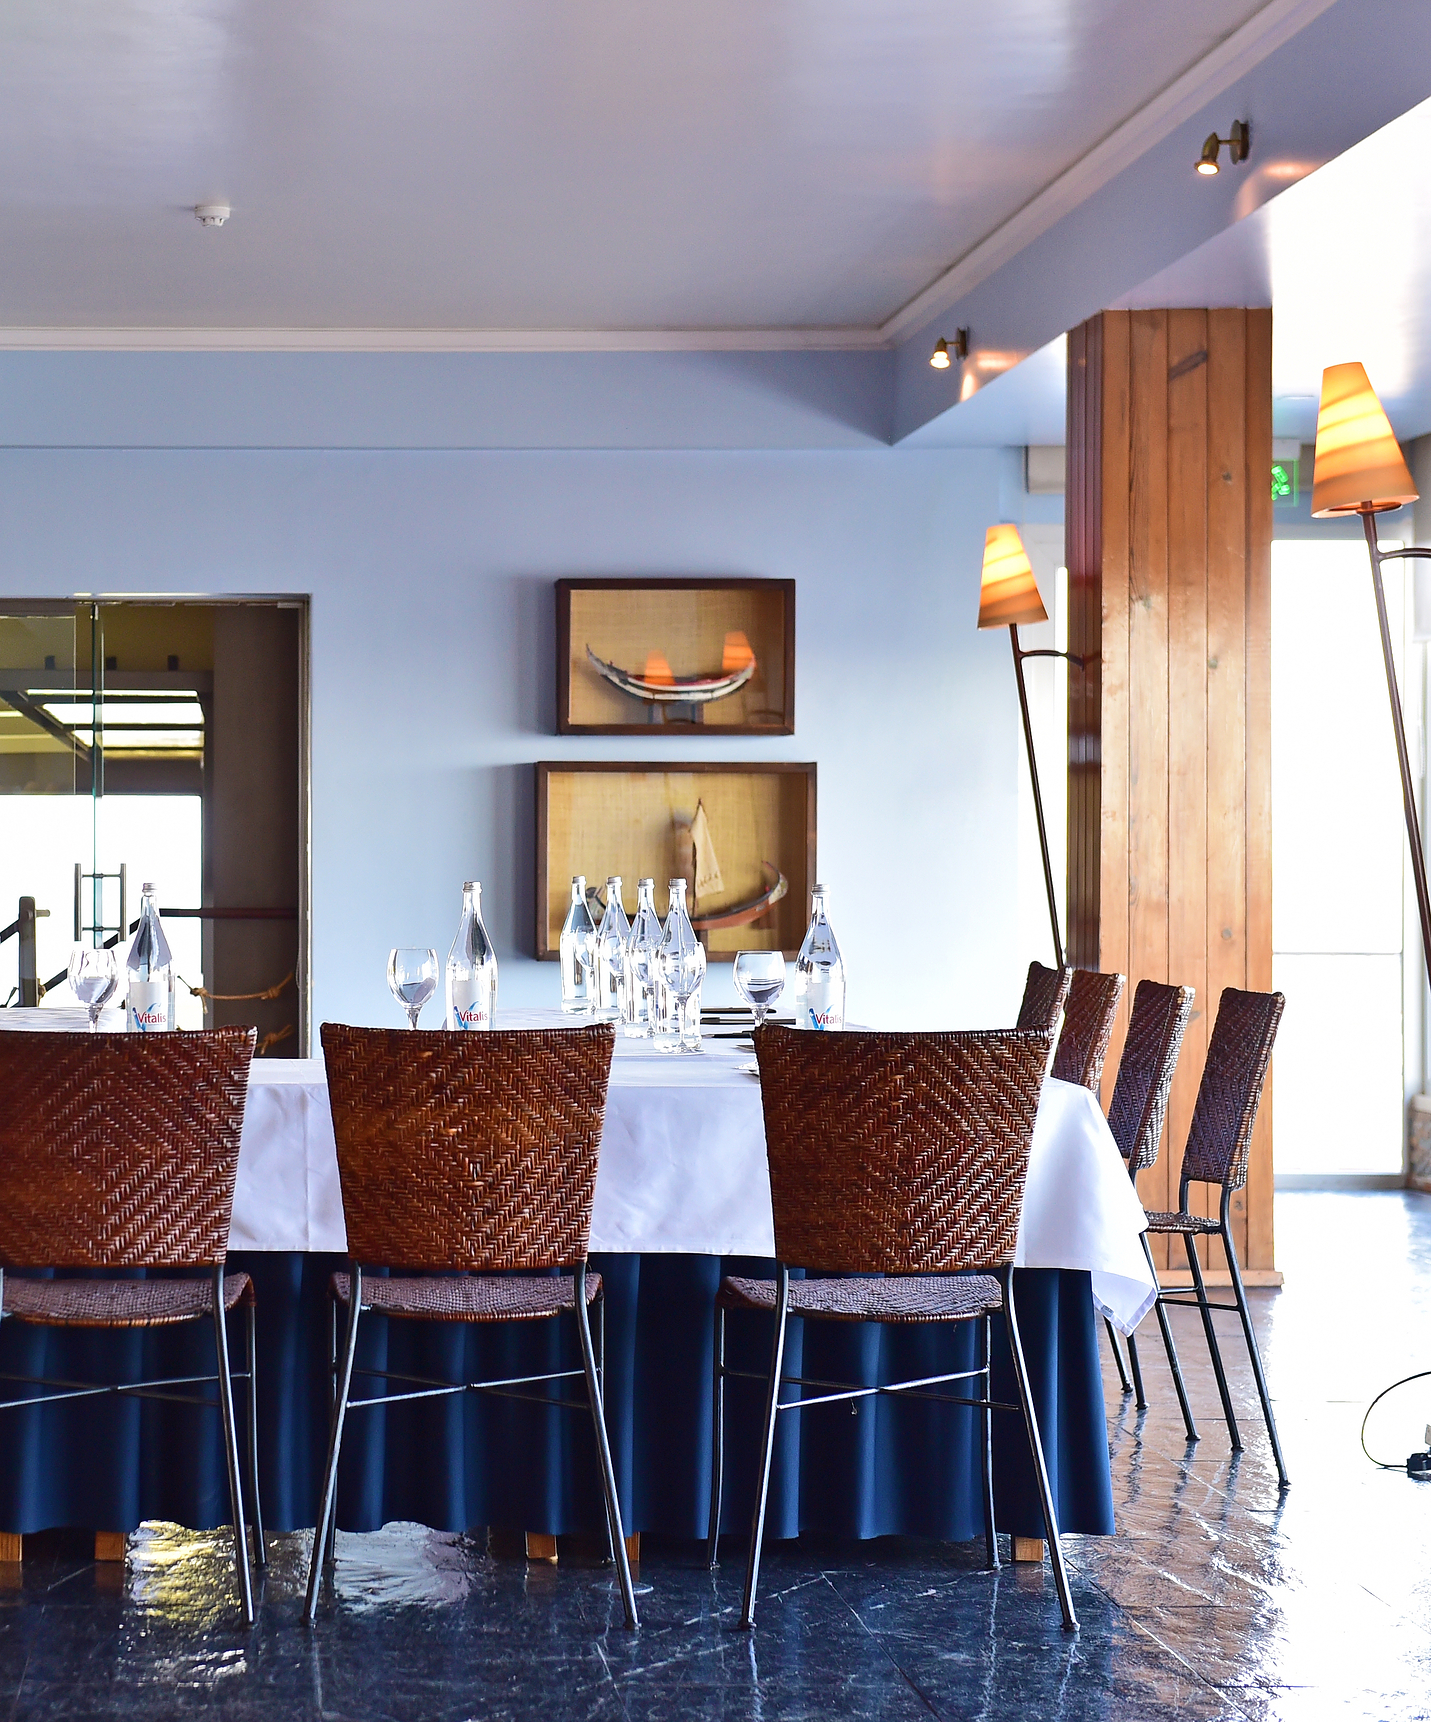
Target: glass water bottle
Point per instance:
(642, 980)
(819, 971)
(611, 937)
(471, 968)
(578, 954)
(681, 965)
(149, 972)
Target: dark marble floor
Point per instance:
(1215, 1600)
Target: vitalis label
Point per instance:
(147, 1011)
(471, 1004)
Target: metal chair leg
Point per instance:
(322, 1531)
(1135, 1369)
(601, 1378)
(1195, 1268)
(1050, 1512)
(986, 1454)
(1255, 1354)
(1165, 1327)
(1117, 1357)
(767, 1444)
(231, 1447)
(260, 1557)
(329, 1553)
(717, 1441)
(603, 1447)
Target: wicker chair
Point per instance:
(471, 1159)
(1219, 1141)
(1156, 1026)
(1088, 1014)
(120, 1152)
(901, 1155)
(1045, 992)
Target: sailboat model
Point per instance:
(709, 882)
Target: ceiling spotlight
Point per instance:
(1238, 142)
(212, 214)
(958, 347)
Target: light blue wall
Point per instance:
(433, 685)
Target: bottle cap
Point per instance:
(650, 882)
(146, 886)
(579, 879)
(674, 882)
(613, 878)
(820, 888)
(471, 885)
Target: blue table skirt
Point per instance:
(890, 1467)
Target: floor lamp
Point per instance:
(1360, 469)
(1008, 595)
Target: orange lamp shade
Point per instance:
(1359, 463)
(1009, 592)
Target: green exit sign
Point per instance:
(1284, 483)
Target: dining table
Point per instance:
(682, 1198)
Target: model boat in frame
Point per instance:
(702, 656)
(657, 685)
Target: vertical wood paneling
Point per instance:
(1228, 478)
(1169, 556)
(1188, 772)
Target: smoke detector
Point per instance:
(212, 214)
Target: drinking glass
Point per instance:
(760, 980)
(94, 976)
(683, 972)
(412, 976)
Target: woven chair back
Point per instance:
(1045, 992)
(468, 1151)
(120, 1150)
(1230, 1092)
(1156, 1026)
(898, 1153)
(1093, 1000)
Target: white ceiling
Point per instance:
(543, 165)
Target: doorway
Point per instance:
(161, 742)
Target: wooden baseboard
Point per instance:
(1179, 1279)
(109, 1545)
(542, 1546)
(11, 1543)
(1028, 1549)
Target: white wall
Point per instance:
(433, 682)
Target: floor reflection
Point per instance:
(1218, 1598)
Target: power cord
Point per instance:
(1419, 1464)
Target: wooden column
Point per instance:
(1169, 535)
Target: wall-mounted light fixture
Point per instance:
(941, 358)
(1238, 141)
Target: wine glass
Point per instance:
(682, 970)
(94, 976)
(760, 980)
(412, 978)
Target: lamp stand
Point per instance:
(1044, 652)
(1408, 791)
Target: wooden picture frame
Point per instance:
(632, 817)
(697, 628)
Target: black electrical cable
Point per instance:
(1381, 1464)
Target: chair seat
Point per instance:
(118, 1303)
(470, 1297)
(1182, 1223)
(935, 1297)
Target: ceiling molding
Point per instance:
(1235, 55)
(92, 340)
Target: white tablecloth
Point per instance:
(683, 1166)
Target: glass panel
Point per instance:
(43, 762)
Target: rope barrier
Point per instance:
(239, 998)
